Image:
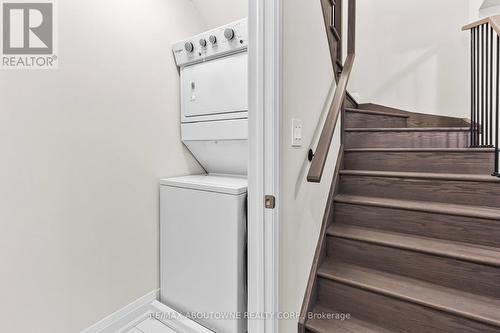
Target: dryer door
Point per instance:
(215, 87)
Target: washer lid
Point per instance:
(210, 183)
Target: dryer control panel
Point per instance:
(230, 38)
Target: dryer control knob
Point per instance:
(229, 33)
(213, 39)
(189, 47)
(203, 42)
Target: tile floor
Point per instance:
(150, 325)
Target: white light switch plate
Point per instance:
(296, 133)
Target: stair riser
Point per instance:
(447, 272)
(435, 190)
(420, 119)
(432, 225)
(413, 139)
(436, 162)
(392, 313)
(362, 120)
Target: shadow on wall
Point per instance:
(407, 72)
(409, 57)
(489, 7)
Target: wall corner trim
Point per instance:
(124, 315)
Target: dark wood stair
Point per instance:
(435, 160)
(480, 225)
(411, 242)
(428, 137)
(422, 245)
(356, 118)
(414, 291)
(481, 190)
(351, 325)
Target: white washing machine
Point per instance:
(203, 217)
(203, 232)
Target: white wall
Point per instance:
(488, 7)
(307, 74)
(474, 8)
(81, 152)
(215, 13)
(413, 55)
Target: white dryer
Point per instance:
(214, 97)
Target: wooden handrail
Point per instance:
(321, 153)
(494, 21)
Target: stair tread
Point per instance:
(461, 251)
(471, 306)
(351, 325)
(450, 150)
(423, 175)
(424, 206)
(409, 129)
(379, 113)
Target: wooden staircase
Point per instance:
(411, 237)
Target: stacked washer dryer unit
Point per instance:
(203, 217)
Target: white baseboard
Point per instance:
(176, 321)
(121, 318)
(141, 309)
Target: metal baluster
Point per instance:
(473, 84)
(490, 140)
(497, 88)
(483, 54)
(476, 118)
(486, 91)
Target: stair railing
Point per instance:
(485, 85)
(332, 14)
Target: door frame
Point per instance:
(265, 113)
